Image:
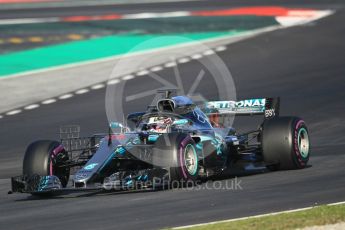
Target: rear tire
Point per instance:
(285, 143)
(46, 158)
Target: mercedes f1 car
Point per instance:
(175, 141)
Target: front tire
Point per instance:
(177, 153)
(285, 143)
(46, 158)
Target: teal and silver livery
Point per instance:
(249, 106)
(175, 141)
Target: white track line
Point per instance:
(256, 216)
(49, 101)
(125, 16)
(338, 203)
(299, 16)
(156, 69)
(71, 3)
(110, 82)
(30, 107)
(13, 112)
(66, 96)
(196, 56)
(156, 15)
(208, 52)
(183, 60)
(27, 21)
(142, 72)
(113, 81)
(220, 48)
(98, 86)
(169, 64)
(128, 77)
(82, 91)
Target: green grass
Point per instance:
(320, 215)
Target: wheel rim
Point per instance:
(303, 142)
(191, 160)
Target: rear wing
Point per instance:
(265, 106)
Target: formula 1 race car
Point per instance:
(175, 141)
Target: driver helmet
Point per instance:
(159, 124)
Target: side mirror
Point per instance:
(115, 125)
(118, 125)
(181, 122)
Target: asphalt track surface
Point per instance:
(304, 65)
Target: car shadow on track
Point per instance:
(79, 194)
(224, 176)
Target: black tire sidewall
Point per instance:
(170, 154)
(280, 143)
(38, 157)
